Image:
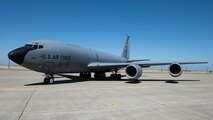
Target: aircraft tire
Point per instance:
(50, 80)
(111, 76)
(88, 75)
(82, 75)
(85, 75)
(99, 75)
(45, 80)
(118, 76)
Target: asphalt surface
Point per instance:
(158, 96)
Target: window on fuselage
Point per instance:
(29, 45)
(41, 46)
(35, 46)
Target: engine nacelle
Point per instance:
(133, 71)
(175, 70)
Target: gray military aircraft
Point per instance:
(52, 57)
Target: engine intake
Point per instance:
(133, 71)
(175, 70)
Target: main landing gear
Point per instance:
(115, 75)
(85, 75)
(49, 79)
(99, 75)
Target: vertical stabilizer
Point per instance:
(126, 50)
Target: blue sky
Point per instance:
(162, 30)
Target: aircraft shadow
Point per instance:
(74, 79)
(56, 82)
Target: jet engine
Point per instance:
(133, 71)
(175, 70)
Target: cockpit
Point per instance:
(34, 45)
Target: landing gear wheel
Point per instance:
(85, 75)
(45, 80)
(99, 75)
(112, 76)
(88, 75)
(118, 76)
(48, 80)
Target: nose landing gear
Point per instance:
(49, 79)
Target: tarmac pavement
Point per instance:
(158, 96)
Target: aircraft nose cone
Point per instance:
(17, 55)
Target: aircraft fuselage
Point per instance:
(58, 57)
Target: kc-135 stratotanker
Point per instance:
(53, 57)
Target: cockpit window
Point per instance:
(41, 46)
(35, 46)
(29, 45)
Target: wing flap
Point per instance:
(106, 65)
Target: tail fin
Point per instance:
(126, 50)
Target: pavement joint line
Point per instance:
(26, 104)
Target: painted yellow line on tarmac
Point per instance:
(204, 85)
(127, 87)
(119, 87)
(17, 88)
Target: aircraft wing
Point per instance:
(98, 65)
